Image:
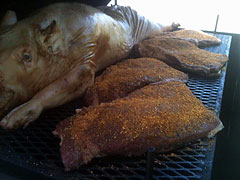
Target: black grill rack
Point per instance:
(35, 149)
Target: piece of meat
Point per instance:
(119, 80)
(165, 115)
(199, 38)
(182, 55)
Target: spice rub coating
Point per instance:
(199, 38)
(183, 55)
(165, 115)
(119, 80)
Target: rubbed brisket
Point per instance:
(182, 55)
(119, 80)
(165, 115)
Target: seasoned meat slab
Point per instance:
(119, 80)
(165, 115)
(199, 38)
(182, 55)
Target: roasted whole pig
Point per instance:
(182, 55)
(165, 115)
(51, 57)
(199, 38)
(119, 80)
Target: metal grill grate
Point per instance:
(35, 148)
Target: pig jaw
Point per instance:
(9, 98)
(6, 101)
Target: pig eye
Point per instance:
(27, 57)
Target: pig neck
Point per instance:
(123, 27)
(103, 37)
(136, 25)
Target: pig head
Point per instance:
(30, 59)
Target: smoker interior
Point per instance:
(35, 151)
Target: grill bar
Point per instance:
(150, 163)
(35, 150)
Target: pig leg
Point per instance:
(61, 91)
(172, 27)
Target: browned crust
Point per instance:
(199, 38)
(164, 115)
(119, 80)
(75, 150)
(69, 155)
(182, 55)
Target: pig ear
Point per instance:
(8, 19)
(51, 39)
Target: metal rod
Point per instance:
(150, 163)
(115, 2)
(215, 30)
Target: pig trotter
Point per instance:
(22, 115)
(63, 90)
(175, 26)
(172, 27)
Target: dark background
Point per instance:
(25, 7)
(226, 165)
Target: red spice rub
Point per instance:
(199, 38)
(119, 80)
(182, 55)
(165, 115)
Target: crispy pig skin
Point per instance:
(199, 38)
(119, 80)
(165, 115)
(182, 55)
